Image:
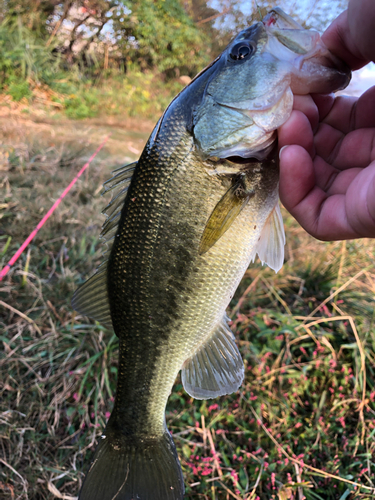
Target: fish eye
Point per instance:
(241, 50)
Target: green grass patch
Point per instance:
(19, 90)
(134, 94)
(143, 95)
(302, 424)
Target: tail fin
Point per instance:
(125, 469)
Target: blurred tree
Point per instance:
(160, 34)
(208, 19)
(173, 36)
(34, 14)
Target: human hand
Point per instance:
(327, 175)
(350, 36)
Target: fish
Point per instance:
(186, 221)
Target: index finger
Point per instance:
(349, 113)
(339, 40)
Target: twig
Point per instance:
(59, 22)
(16, 311)
(299, 480)
(252, 493)
(229, 491)
(214, 454)
(52, 488)
(24, 482)
(336, 292)
(215, 16)
(282, 301)
(244, 295)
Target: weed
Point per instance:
(18, 90)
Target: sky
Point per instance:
(316, 14)
(362, 80)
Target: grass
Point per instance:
(301, 426)
(113, 93)
(135, 94)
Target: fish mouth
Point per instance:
(319, 73)
(246, 162)
(314, 69)
(239, 160)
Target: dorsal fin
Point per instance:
(91, 298)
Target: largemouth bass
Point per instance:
(189, 217)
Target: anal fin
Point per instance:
(216, 368)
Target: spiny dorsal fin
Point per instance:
(120, 182)
(270, 246)
(216, 368)
(122, 174)
(91, 298)
(224, 214)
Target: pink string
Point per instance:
(32, 235)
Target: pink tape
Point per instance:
(32, 235)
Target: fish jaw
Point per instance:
(314, 69)
(320, 73)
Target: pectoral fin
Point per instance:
(270, 246)
(223, 215)
(216, 368)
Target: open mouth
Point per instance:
(241, 161)
(244, 163)
(314, 68)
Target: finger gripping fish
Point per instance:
(189, 217)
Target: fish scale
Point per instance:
(195, 210)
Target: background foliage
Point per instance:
(73, 52)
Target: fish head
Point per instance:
(249, 92)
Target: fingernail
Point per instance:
(282, 149)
